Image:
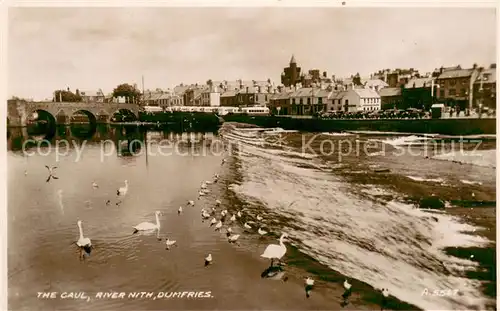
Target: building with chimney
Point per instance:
(455, 86)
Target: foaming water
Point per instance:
(411, 140)
(486, 158)
(388, 245)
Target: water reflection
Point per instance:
(122, 140)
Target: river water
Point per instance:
(351, 211)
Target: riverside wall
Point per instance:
(424, 126)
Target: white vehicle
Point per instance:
(225, 110)
(255, 110)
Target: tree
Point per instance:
(130, 92)
(67, 96)
(356, 80)
(210, 82)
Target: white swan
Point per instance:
(205, 215)
(201, 193)
(247, 226)
(259, 218)
(203, 185)
(309, 286)
(208, 260)
(274, 251)
(213, 222)
(385, 292)
(208, 182)
(229, 231)
(179, 211)
(169, 243)
(123, 190)
(233, 238)
(83, 243)
(261, 232)
(191, 202)
(218, 226)
(217, 202)
(146, 226)
(233, 218)
(95, 185)
(238, 214)
(347, 286)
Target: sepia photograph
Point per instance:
(279, 156)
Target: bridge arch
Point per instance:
(41, 123)
(124, 115)
(83, 124)
(78, 116)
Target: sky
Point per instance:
(99, 48)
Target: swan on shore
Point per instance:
(179, 211)
(203, 185)
(208, 260)
(274, 251)
(217, 202)
(169, 243)
(247, 226)
(213, 222)
(95, 185)
(146, 226)
(238, 214)
(83, 243)
(200, 194)
(229, 231)
(259, 218)
(123, 190)
(233, 218)
(261, 232)
(208, 182)
(191, 202)
(223, 213)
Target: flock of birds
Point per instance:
(272, 251)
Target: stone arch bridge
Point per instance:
(19, 111)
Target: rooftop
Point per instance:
(456, 73)
(390, 91)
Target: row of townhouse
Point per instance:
(308, 101)
(464, 89)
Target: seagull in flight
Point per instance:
(51, 173)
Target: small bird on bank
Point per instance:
(208, 260)
(179, 211)
(51, 173)
(309, 284)
(169, 243)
